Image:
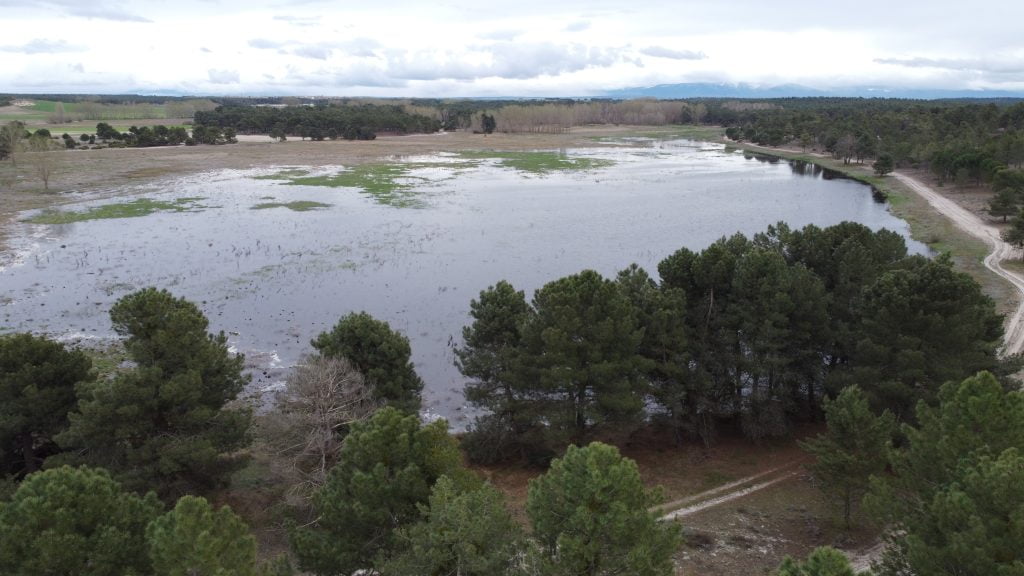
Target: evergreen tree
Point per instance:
(1015, 233)
(854, 448)
(466, 533)
(75, 521)
(779, 313)
(387, 467)
(883, 165)
(823, 561)
(580, 355)
(664, 348)
(194, 539)
(488, 356)
(590, 515)
(164, 425)
(380, 354)
(954, 502)
(1004, 203)
(37, 391)
(922, 325)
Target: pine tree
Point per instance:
(488, 357)
(193, 538)
(922, 324)
(466, 533)
(580, 355)
(1004, 204)
(854, 448)
(1015, 233)
(590, 515)
(387, 467)
(75, 521)
(954, 502)
(164, 425)
(823, 561)
(37, 391)
(380, 354)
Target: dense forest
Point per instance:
(362, 122)
(748, 334)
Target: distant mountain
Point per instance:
(744, 90)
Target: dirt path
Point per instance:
(729, 492)
(975, 226)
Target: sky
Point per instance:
(483, 48)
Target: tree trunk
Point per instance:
(28, 451)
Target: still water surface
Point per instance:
(274, 278)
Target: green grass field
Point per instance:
(40, 112)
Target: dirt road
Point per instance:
(970, 223)
(729, 492)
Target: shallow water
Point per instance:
(275, 278)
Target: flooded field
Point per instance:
(275, 256)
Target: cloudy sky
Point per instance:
(484, 48)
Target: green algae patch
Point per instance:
(283, 174)
(134, 209)
(391, 183)
(537, 161)
(296, 206)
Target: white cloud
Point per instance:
(223, 76)
(1015, 66)
(41, 46)
(577, 26)
(662, 52)
(93, 9)
(528, 47)
(503, 34)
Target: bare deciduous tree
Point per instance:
(43, 158)
(321, 400)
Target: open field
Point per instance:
(41, 113)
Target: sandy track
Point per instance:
(970, 223)
(716, 497)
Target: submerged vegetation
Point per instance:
(395, 183)
(296, 206)
(537, 161)
(132, 209)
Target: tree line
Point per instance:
(961, 141)
(111, 475)
(748, 334)
(361, 122)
